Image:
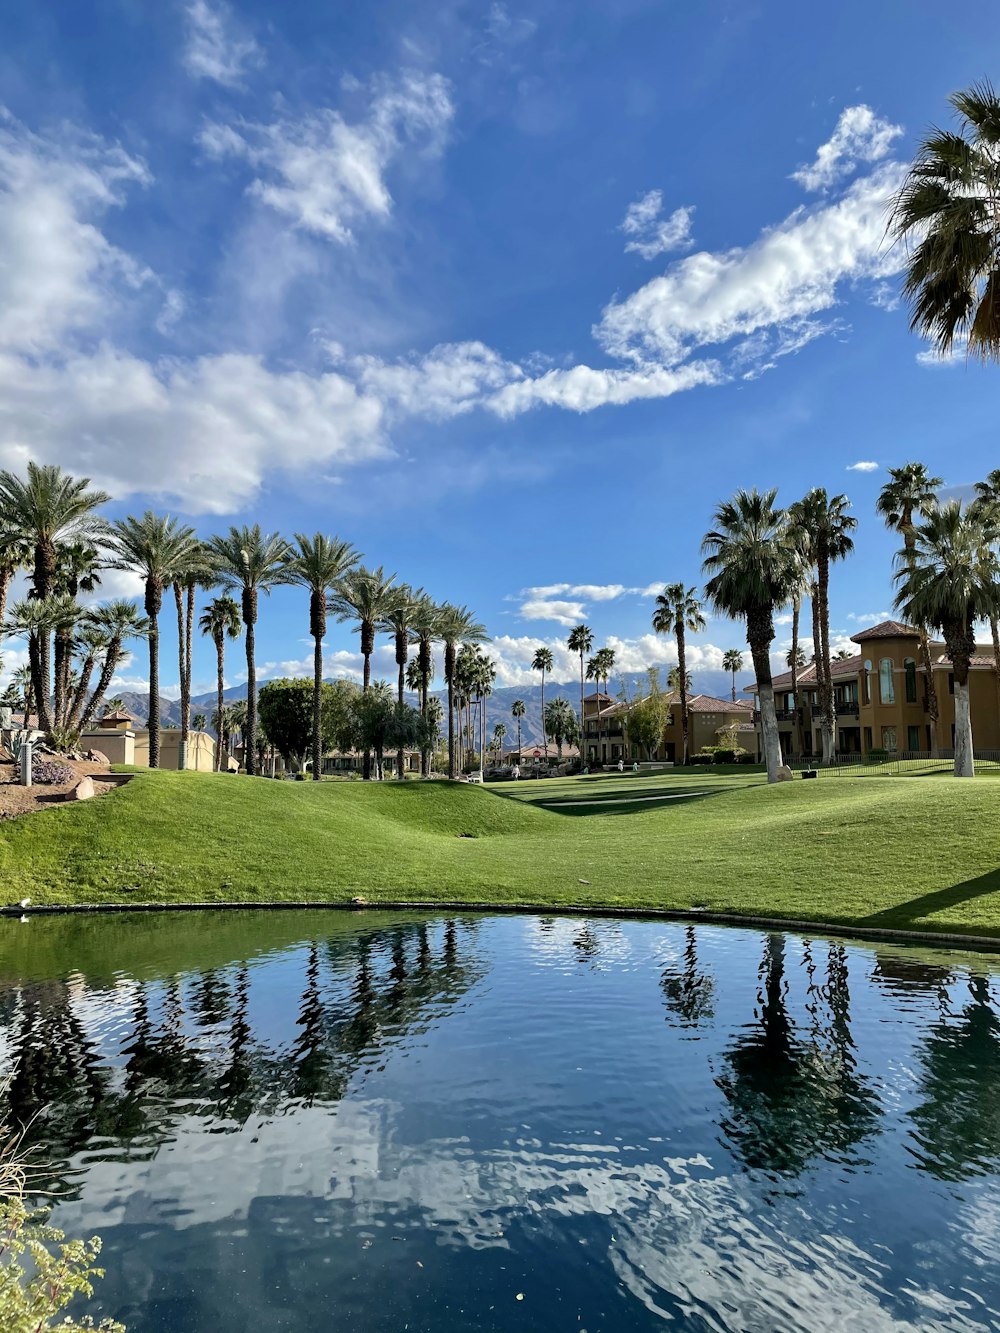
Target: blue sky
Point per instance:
(510, 296)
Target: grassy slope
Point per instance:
(911, 852)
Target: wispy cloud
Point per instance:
(649, 233)
(864, 465)
(859, 136)
(325, 173)
(218, 48)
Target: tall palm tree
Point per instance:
(90, 643)
(499, 732)
(198, 574)
(751, 573)
(581, 640)
(542, 661)
(517, 711)
(77, 566)
(822, 530)
(947, 207)
(484, 678)
(909, 493)
(157, 548)
(398, 620)
(317, 564)
(732, 661)
(677, 609)
(424, 629)
(559, 722)
(604, 661)
(987, 506)
(364, 595)
(15, 555)
(221, 621)
(252, 562)
(44, 508)
(37, 619)
(952, 580)
(456, 625)
(594, 665)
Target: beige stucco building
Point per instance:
(605, 725)
(880, 694)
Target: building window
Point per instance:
(868, 739)
(868, 682)
(912, 738)
(889, 739)
(910, 667)
(886, 685)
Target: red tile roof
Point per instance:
(888, 629)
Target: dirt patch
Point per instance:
(16, 800)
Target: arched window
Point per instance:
(910, 667)
(867, 682)
(886, 684)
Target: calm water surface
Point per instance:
(320, 1122)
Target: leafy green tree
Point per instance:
(946, 211)
(221, 620)
(732, 661)
(316, 564)
(158, 549)
(911, 492)
(953, 580)
(517, 711)
(752, 571)
(376, 721)
(648, 716)
(581, 641)
(285, 709)
(678, 610)
(251, 562)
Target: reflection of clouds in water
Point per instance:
(678, 1237)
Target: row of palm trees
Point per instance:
(51, 527)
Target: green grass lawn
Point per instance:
(912, 852)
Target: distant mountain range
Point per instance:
(498, 705)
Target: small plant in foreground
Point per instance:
(49, 774)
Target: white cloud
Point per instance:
(564, 602)
(772, 288)
(217, 47)
(869, 617)
(652, 235)
(865, 465)
(859, 136)
(936, 360)
(513, 653)
(449, 380)
(583, 388)
(326, 174)
(563, 613)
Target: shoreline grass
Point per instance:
(904, 853)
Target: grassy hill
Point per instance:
(877, 851)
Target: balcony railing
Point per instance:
(847, 707)
(781, 714)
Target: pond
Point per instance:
(304, 1121)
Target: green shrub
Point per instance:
(702, 758)
(33, 1293)
(724, 756)
(746, 758)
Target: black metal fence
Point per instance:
(913, 762)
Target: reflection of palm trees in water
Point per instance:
(792, 1099)
(957, 1122)
(688, 992)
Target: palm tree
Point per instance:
(559, 722)
(77, 565)
(198, 574)
(317, 564)
(456, 625)
(364, 595)
(677, 609)
(947, 206)
(542, 661)
(581, 640)
(604, 660)
(517, 711)
(499, 732)
(424, 628)
(751, 573)
(987, 504)
(950, 581)
(674, 679)
(158, 549)
(18, 692)
(796, 658)
(90, 642)
(594, 674)
(15, 555)
(910, 492)
(221, 620)
(36, 619)
(732, 661)
(398, 621)
(199, 721)
(47, 507)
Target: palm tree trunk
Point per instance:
(401, 687)
(250, 731)
(932, 699)
(817, 637)
(220, 701)
(154, 692)
(734, 680)
(6, 575)
(317, 736)
(760, 634)
(995, 636)
(829, 712)
(582, 692)
(964, 765)
(28, 700)
(366, 771)
(75, 703)
(449, 671)
(42, 580)
(59, 670)
(545, 734)
(679, 629)
(111, 659)
(797, 723)
(179, 607)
